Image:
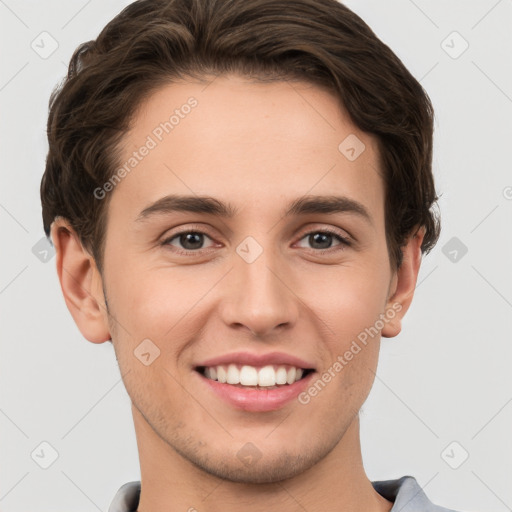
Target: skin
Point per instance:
(257, 146)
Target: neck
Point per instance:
(171, 483)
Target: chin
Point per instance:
(258, 467)
(263, 471)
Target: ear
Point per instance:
(403, 284)
(80, 282)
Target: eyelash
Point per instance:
(344, 242)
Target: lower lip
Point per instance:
(258, 400)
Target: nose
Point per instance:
(258, 297)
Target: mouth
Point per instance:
(255, 377)
(255, 382)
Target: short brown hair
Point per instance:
(153, 42)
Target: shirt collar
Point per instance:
(406, 495)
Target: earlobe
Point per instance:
(80, 283)
(403, 285)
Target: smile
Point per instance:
(255, 382)
(268, 376)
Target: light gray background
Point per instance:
(447, 377)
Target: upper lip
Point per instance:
(251, 359)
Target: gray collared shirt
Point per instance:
(405, 493)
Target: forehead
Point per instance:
(259, 145)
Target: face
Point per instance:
(257, 276)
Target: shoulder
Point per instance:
(407, 495)
(126, 498)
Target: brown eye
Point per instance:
(324, 240)
(187, 240)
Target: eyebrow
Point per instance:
(327, 204)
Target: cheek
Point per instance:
(355, 309)
(349, 303)
(154, 302)
(156, 392)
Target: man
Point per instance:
(239, 193)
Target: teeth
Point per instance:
(221, 374)
(248, 376)
(290, 377)
(281, 375)
(266, 376)
(233, 375)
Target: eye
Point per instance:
(321, 240)
(186, 242)
(190, 241)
